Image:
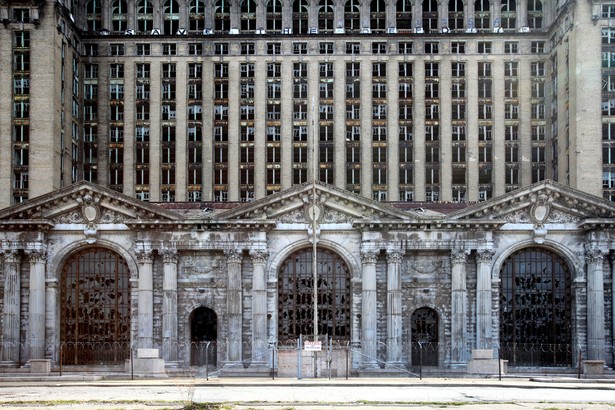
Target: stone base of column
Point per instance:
(8, 364)
(482, 362)
(40, 366)
(146, 364)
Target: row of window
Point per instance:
(303, 48)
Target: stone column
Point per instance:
(12, 307)
(394, 306)
(234, 304)
(368, 311)
(51, 301)
(459, 307)
(36, 313)
(169, 305)
(595, 303)
(484, 317)
(259, 307)
(145, 331)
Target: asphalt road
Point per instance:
(308, 394)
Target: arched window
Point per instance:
(170, 12)
(509, 14)
(378, 14)
(93, 15)
(95, 308)
(404, 15)
(222, 14)
(300, 16)
(326, 11)
(145, 16)
(197, 15)
(455, 15)
(424, 337)
(430, 15)
(535, 309)
(203, 337)
(296, 296)
(274, 16)
(118, 16)
(248, 16)
(482, 15)
(535, 14)
(352, 16)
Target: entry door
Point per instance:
(204, 336)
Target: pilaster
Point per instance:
(12, 307)
(259, 306)
(595, 302)
(368, 311)
(394, 306)
(459, 314)
(145, 330)
(36, 326)
(169, 305)
(234, 304)
(484, 317)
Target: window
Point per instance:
(511, 47)
(537, 69)
(537, 47)
(90, 50)
(247, 48)
(195, 49)
(143, 50)
(274, 48)
(353, 48)
(326, 48)
(484, 47)
(169, 49)
(432, 47)
(458, 69)
(405, 47)
(458, 47)
(117, 49)
(220, 48)
(300, 48)
(116, 71)
(379, 48)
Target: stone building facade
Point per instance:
(90, 274)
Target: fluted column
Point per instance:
(259, 306)
(368, 311)
(394, 306)
(51, 301)
(595, 303)
(36, 312)
(484, 317)
(234, 304)
(12, 307)
(145, 331)
(459, 315)
(169, 305)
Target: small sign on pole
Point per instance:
(315, 346)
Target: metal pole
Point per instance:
(299, 343)
(420, 361)
(132, 368)
(580, 359)
(61, 358)
(499, 365)
(272, 363)
(347, 358)
(314, 247)
(207, 361)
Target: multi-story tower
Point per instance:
(419, 100)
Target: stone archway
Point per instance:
(424, 336)
(536, 309)
(203, 337)
(95, 308)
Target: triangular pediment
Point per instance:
(334, 205)
(83, 202)
(541, 203)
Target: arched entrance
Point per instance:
(296, 296)
(535, 309)
(203, 337)
(95, 308)
(424, 337)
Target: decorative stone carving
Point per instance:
(36, 255)
(233, 255)
(395, 255)
(459, 256)
(169, 255)
(594, 254)
(521, 216)
(426, 267)
(259, 256)
(369, 256)
(485, 255)
(556, 216)
(296, 216)
(144, 255)
(201, 265)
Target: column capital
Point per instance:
(259, 256)
(36, 255)
(369, 256)
(11, 255)
(485, 255)
(169, 255)
(233, 255)
(594, 254)
(144, 255)
(395, 255)
(459, 256)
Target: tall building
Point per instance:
(404, 177)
